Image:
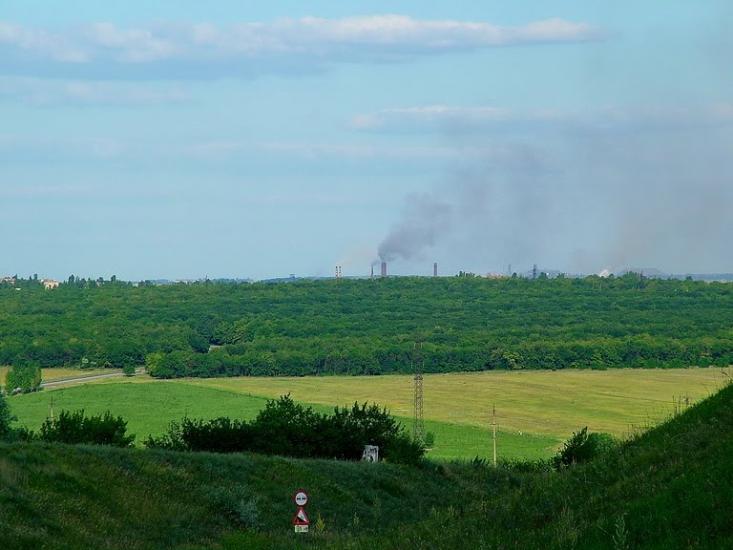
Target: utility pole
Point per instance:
(493, 423)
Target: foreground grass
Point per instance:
(669, 488)
(92, 497)
(150, 405)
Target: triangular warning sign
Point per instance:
(301, 518)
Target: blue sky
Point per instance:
(227, 139)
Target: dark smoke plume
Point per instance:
(425, 218)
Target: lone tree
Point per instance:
(26, 379)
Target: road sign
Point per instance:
(301, 521)
(301, 498)
(370, 454)
(301, 518)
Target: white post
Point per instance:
(494, 438)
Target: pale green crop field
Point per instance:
(553, 403)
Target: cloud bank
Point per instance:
(184, 50)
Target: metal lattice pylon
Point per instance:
(418, 427)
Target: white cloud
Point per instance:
(230, 48)
(47, 92)
(39, 42)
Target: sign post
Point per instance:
(301, 521)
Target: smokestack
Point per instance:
(435, 269)
(384, 269)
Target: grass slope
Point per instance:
(149, 407)
(85, 497)
(669, 488)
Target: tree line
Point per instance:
(368, 326)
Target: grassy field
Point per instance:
(536, 410)
(149, 407)
(539, 402)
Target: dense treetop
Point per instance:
(369, 326)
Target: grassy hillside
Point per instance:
(70, 497)
(670, 488)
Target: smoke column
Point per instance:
(425, 217)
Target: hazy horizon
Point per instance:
(182, 140)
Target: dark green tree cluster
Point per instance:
(369, 326)
(5, 418)
(287, 428)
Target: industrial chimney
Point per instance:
(384, 269)
(435, 269)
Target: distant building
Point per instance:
(8, 281)
(50, 284)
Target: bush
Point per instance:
(75, 428)
(287, 428)
(26, 379)
(128, 370)
(582, 447)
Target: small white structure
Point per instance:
(50, 284)
(370, 454)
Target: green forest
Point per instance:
(367, 326)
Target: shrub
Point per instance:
(5, 418)
(582, 447)
(128, 370)
(74, 428)
(287, 428)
